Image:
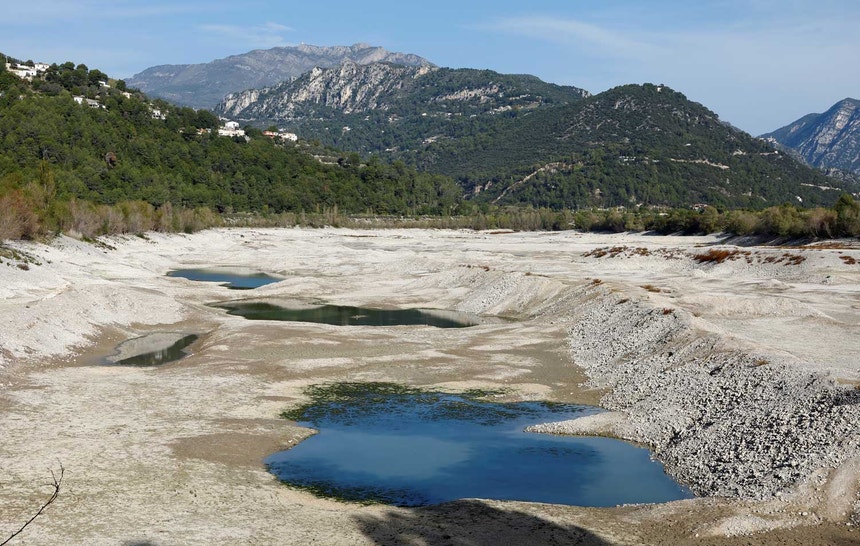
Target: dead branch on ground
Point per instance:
(55, 483)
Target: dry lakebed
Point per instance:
(737, 366)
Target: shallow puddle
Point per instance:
(233, 281)
(163, 355)
(350, 316)
(383, 443)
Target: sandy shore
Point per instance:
(741, 376)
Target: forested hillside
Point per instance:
(111, 145)
(632, 145)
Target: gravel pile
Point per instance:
(723, 420)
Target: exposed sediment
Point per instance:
(724, 419)
(724, 368)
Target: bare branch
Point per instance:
(55, 483)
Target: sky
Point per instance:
(759, 64)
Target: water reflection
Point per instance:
(160, 356)
(350, 316)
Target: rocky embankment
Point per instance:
(725, 420)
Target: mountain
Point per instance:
(393, 109)
(514, 139)
(347, 88)
(828, 141)
(632, 145)
(407, 90)
(204, 85)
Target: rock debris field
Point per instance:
(736, 365)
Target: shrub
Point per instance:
(17, 218)
(847, 216)
(821, 222)
(784, 221)
(741, 222)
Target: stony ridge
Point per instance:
(724, 420)
(348, 88)
(406, 91)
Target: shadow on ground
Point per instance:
(470, 523)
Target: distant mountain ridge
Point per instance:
(828, 141)
(204, 85)
(515, 139)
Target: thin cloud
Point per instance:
(751, 68)
(576, 33)
(265, 35)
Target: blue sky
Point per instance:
(759, 64)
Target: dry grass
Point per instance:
(849, 260)
(793, 259)
(652, 288)
(720, 255)
(786, 259)
(616, 251)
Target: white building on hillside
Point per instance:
(231, 129)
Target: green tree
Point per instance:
(847, 216)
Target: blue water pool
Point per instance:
(234, 281)
(411, 448)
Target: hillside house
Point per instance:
(231, 129)
(27, 72)
(281, 135)
(223, 131)
(231, 132)
(22, 71)
(88, 102)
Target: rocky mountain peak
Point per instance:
(205, 85)
(352, 87)
(829, 141)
